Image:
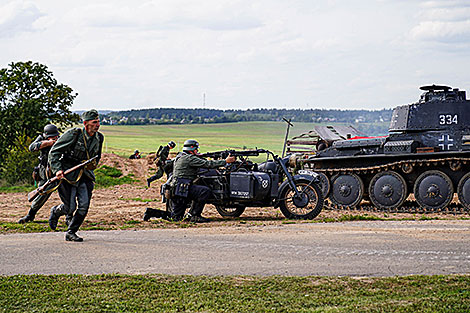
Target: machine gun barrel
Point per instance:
(225, 153)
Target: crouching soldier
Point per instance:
(185, 171)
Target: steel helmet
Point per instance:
(50, 130)
(190, 145)
(136, 151)
(172, 144)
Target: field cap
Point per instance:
(90, 115)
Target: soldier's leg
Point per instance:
(65, 190)
(84, 193)
(157, 175)
(178, 208)
(37, 203)
(199, 194)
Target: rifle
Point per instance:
(40, 190)
(225, 153)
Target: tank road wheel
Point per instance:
(463, 190)
(307, 206)
(230, 212)
(346, 190)
(387, 190)
(433, 190)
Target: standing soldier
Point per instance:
(160, 158)
(43, 144)
(75, 190)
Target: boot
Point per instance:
(69, 236)
(149, 212)
(28, 218)
(56, 212)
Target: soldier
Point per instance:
(43, 144)
(160, 158)
(185, 171)
(136, 155)
(75, 190)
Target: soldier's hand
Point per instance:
(230, 159)
(60, 174)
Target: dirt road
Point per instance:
(370, 248)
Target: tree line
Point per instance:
(207, 116)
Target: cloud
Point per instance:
(17, 17)
(173, 15)
(443, 22)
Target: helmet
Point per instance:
(190, 145)
(172, 144)
(136, 151)
(50, 130)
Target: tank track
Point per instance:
(410, 206)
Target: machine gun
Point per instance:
(40, 190)
(239, 153)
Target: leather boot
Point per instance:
(69, 236)
(28, 218)
(149, 212)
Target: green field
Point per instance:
(123, 140)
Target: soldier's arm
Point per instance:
(36, 144)
(200, 162)
(62, 144)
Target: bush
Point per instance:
(19, 162)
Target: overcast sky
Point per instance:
(360, 54)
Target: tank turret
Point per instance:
(426, 153)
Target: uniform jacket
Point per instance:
(43, 155)
(163, 155)
(187, 165)
(71, 149)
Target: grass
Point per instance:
(163, 293)
(107, 176)
(123, 140)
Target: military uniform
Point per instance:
(41, 178)
(185, 170)
(74, 147)
(162, 156)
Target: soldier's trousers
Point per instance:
(198, 195)
(157, 175)
(76, 200)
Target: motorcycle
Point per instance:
(266, 184)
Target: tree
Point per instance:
(30, 98)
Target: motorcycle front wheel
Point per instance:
(307, 206)
(230, 212)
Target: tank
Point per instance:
(426, 153)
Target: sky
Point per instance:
(241, 54)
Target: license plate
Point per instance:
(307, 172)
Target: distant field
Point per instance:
(124, 140)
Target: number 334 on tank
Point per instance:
(448, 119)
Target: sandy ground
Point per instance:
(120, 205)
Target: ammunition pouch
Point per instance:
(182, 187)
(91, 166)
